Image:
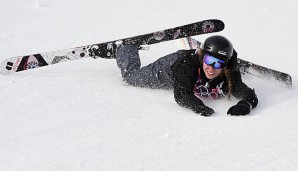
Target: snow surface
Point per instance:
(79, 115)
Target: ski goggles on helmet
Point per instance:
(213, 61)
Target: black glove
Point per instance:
(241, 108)
(203, 110)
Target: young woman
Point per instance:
(208, 72)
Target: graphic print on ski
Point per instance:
(106, 49)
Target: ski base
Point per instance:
(107, 49)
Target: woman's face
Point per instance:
(210, 71)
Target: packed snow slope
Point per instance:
(79, 115)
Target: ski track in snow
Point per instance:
(79, 115)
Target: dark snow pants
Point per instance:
(154, 75)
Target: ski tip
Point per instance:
(5, 67)
(288, 81)
(212, 25)
(220, 24)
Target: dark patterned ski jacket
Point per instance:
(191, 84)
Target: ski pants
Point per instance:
(154, 75)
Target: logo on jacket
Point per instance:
(204, 91)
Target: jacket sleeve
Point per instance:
(185, 75)
(242, 91)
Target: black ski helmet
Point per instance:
(218, 46)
